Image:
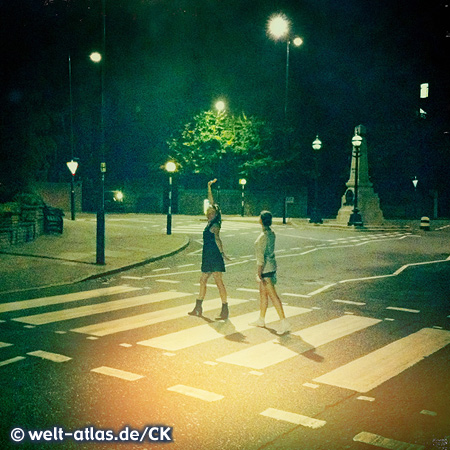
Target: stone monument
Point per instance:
(368, 201)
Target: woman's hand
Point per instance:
(212, 182)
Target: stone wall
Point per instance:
(23, 226)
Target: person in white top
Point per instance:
(266, 274)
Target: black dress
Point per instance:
(212, 260)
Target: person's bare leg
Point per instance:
(223, 295)
(198, 310)
(263, 303)
(221, 286)
(284, 325)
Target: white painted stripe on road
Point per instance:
(395, 308)
(288, 294)
(146, 319)
(12, 360)
(273, 352)
(65, 298)
(105, 307)
(425, 412)
(205, 333)
(117, 373)
(55, 357)
(294, 418)
(5, 344)
(247, 290)
(368, 372)
(168, 281)
(382, 442)
(324, 288)
(349, 302)
(197, 393)
(365, 399)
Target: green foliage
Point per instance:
(221, 143)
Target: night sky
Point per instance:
(362, 62)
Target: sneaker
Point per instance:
(284, 328)
(259, 323)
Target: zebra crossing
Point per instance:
(227, 227)
(360, 375)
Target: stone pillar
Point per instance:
(368, 201)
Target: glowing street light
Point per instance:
(243, 182)
(95, 57)
(220, 106)
(170, 168)
(279, 28)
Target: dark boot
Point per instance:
(224, 312)
(198, 310)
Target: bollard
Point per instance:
(425, 223)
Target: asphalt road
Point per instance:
(365, 366)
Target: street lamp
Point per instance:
(355, 217)
(243, 182)
(278, 28)
(170, 169)
(315, 216)
(221, 109)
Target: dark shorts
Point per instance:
(269, 275)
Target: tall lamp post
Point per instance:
(278, 27)
(315, 216)
(72, 165)
(170, 169)
(355, 217)
(243, 182)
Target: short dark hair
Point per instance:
(266, 218)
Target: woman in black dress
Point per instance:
(212, 257)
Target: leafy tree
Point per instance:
(224, 145)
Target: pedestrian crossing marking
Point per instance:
(146, 319)
(294, 418)
(382, 442)
(273, 352)
(395, 308)
(64, 298)
(88, 310)
(5, 344)
(117, 373)
(55, 357)
(204, 333)
(197, 393)
(368, 372)
(11, 360)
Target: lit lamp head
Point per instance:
(242, 181)
(95, 57)
(317, 144)
(220, 106)
(170, 166)
(414, 182)
(356, 141)
(278, 26)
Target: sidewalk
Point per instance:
(59, 259)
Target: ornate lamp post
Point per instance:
(355, 217)
(415, 181)
(315, 216)
(170, 169)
